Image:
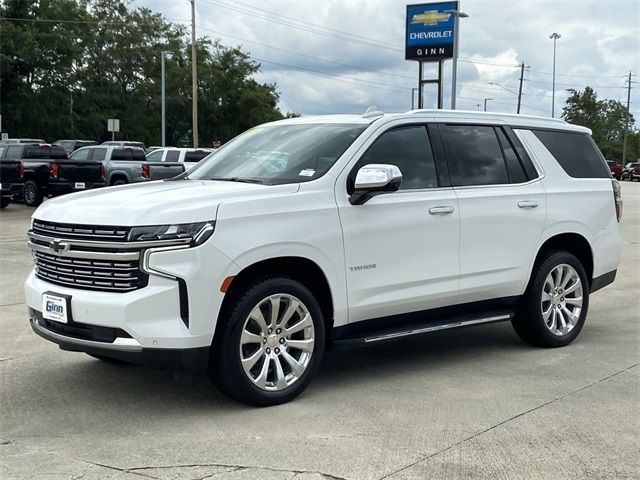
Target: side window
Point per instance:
(121, 154)
(2, 149)
(195, 155)
(13, 152)
(172, 156)
(98, 154)
(514, 167)
(410, 150)
(576, 153)
(155, 156)
(475, 154)
(79, 155)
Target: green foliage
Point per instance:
(98, 59)
(608, 119)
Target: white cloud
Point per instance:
(600, 43)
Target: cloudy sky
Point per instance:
(340, 56)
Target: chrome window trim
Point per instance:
(496, 185)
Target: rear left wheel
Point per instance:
(269, 347)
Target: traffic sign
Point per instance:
(113, 125)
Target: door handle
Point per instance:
(440, 210)
(528, 204)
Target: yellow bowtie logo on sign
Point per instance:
(431, 17)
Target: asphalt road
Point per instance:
(469, 404)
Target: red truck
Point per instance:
(616, 170)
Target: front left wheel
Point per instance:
(270, 344)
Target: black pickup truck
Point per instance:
(11, 172)
(48, 172)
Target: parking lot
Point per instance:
(475, 403)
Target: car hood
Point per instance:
(152, 203)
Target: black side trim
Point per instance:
(522, 154)
(439, 155)
(435, 316)
(184, 301)
(603, 280)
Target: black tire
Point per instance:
(119, 181)
(32, 194)
(225, 367)
(4, 202)
(528, 321)
(106, 359)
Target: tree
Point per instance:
(66, 66)
(608, 120)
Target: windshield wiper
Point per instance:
(236, 179)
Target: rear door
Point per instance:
(502, 209)
(401, 248)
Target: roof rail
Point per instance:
(439, 112)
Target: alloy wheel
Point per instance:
(277, 342)
(561, 301)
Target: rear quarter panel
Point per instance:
(577, 205)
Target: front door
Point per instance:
(401, 249)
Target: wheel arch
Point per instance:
(118, 175)
(571, 242)
(301, 269)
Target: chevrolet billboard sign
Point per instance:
(430, 30)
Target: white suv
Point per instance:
(320, 232)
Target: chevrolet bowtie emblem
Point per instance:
(59, 246)
(430, 17)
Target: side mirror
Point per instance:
(374, 179)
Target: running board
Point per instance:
(389, 334)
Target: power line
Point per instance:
(306, 55)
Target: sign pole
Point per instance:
(420, 85)
(440, 89)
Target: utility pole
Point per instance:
(163, 101)
(626, 130)
(520, 89)
(194, 76)
(554, 36)
(485, 103)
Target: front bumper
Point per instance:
(83, 338)
(175, 312)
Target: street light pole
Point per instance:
(485, 103)
(163, 101)
(555, 36)
(194, 76)
(454, 67)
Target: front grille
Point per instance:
(100, 275)
(81, 232)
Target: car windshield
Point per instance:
(279, 154)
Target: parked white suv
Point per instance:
(329, 231)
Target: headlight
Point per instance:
(198, 232)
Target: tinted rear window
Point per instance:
(576, 153)
(128, 154)
(476, 153)
(53, 152)
(195, 156)
(172, 156)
